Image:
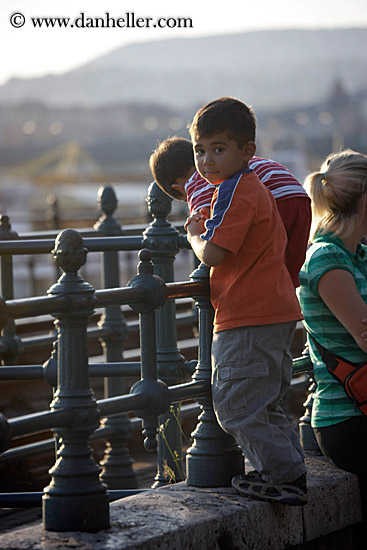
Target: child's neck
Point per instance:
(243, 169)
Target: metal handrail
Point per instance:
(213, 457)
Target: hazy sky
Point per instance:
(29, 51)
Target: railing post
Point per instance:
(76, 499)
(149, 384)
(306, 433)
(7, 292)
(162, 239)
(52, 219)
(214, 457)
(117, 471)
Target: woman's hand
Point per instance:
(364, 333)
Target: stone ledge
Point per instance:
(187, 518)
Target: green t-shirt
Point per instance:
(331, 404)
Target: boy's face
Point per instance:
(218, 157)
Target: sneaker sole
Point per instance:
(257, 491)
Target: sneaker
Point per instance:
(254, 486)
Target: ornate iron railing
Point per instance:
(77, 497)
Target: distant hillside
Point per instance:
(270, 69)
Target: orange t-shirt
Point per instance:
(252, 285)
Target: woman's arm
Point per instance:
(338, 290)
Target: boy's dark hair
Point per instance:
(225, 114)
(172, 159)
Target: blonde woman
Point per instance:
(333, 297)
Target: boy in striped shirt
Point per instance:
(173, 168)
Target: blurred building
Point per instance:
(337, 122)
(116, 134)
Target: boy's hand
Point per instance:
(209, 253)
(194, 227)
(200, 216)
(205, 212)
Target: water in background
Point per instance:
(26, 203)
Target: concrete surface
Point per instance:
(185, 518)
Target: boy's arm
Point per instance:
(209, 253)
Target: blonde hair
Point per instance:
(335, 192)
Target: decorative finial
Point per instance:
(159, 204)
(5, 229)
(107, 201)
(69, 253)
(4, 222)
(145, 266)
(150, 439)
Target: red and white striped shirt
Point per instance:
(280, 181)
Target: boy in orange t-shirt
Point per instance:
(255, 305)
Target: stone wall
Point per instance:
(179, 517)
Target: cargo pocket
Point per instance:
(238, 389)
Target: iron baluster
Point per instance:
(75, 499)
(162, 239)
(8, 336)
(214, 457)
(117, 471)
(155, 297)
